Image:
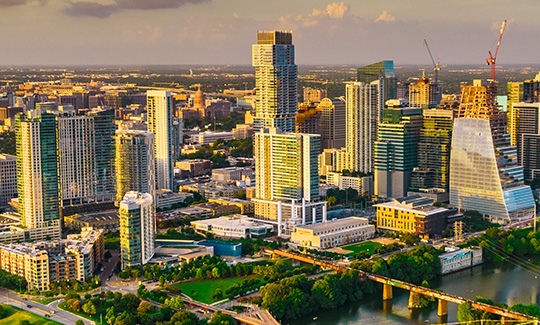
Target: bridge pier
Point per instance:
(387, 292)
(414, 299)
(442, 308)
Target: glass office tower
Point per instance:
(484, 171)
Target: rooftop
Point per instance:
(332, 224)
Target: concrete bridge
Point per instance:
(415, 290)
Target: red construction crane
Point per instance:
(492, 58)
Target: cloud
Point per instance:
(334, 10)
(337, 10)
(98, 10)
(93, 9)
(385, 16)
(13, 3)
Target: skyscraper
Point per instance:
(526, 118)
(85, 155)
(286, 177)
(8, 179)
(137, 229)
(425, 93)
(104, 129)
(135, 163)
(376, 71)
(364, 104)
(484, 171)
(396, 150)
(276, 100)
(160, 123)
(434, 150)
(37, 169)
(333, 123)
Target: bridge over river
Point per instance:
(415, 290)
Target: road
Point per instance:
(108, 268)
(59, 315)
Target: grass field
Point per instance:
(203, 290)
(45, 301)
(368, 246)
(15, 315)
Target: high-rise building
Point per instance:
(308, 119)
(425, 93)
(364, 104)
(85, 152)
(333, 122)
(312, 95)
(396, 150)
(484, 171)
(376, 71)
(37, 169)
(104, 151)
(276, 74)
(434, 150)
(526, 118)
(135, 170)
(8, 179)
(287, 178)
(137, 229)
(160, 123)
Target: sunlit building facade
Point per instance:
(137, 229)
(160, 123)
(275, 80)
(484, 171)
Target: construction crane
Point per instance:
(492, 58)
(435, 65)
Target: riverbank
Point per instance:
(500, 282)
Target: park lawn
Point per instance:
(16, 314)
(45, 301)
(367, 246)
(205, 289)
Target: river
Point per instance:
(501, 282)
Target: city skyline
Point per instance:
(217, 32)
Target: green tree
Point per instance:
(79, 322)
(89, 308)
(3, 311)
(110, 317)
(184, 317)
(218, 318)
(465, 313)
(161, 281)
(24, 322)
(216, 273)
(218, 294)
(144, 308)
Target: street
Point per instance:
(59, 315)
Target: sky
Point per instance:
(220, 32)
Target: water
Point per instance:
(501, 283)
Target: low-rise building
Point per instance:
(166, 198)
(209, 137)
(107, 220)
(219, 210)
(212, 190)
(243, 131)
(195, 212)
(458, 259)
(237, 226)
(333, 233)
(362, 184)
(229, 174)
(413, 214)
(246, 206)
(196, 167)
(45, 262)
